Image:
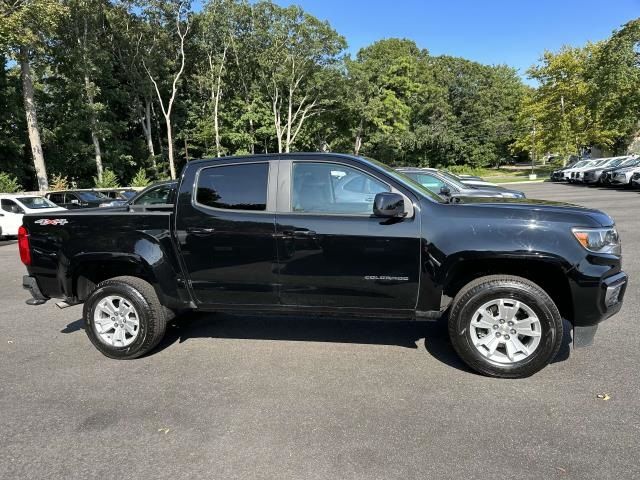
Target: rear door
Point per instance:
(11, 216)
(225, 225)
(333, 253)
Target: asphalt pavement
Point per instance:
(237, 397)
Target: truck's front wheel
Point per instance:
(124, 318)
(505, 326)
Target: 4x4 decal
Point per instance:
(52, 221)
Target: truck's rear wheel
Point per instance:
(505, 326)
(124, 318)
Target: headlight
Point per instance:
(598, 240)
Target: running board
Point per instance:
(65, 304)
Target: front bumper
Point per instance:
(618, 179)
(606, 302)
(37, 297)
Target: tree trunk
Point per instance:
(93, 121)
(32, 119)
(146, 127)
(158, 129)
(358, 142)
(252, 147)
(172, 167)
(186, 149)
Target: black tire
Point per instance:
(152, 316)
(484, 289)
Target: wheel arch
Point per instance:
(549, 274)
(88, 270)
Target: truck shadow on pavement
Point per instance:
(408, 334)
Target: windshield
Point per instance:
(633, 162)
(454, 180)
(617, 162)
(401, 177)
(579, 164)
(36, 202)
(91, 196)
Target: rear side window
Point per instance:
(234, 187)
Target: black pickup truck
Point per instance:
(331, 234)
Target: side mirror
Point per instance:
(388, 205)
(75, 202)
(444, 190)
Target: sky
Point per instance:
(512, 32)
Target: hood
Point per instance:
(536, 210)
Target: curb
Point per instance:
(517, 183)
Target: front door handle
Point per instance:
(200, 230)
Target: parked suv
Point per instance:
(443, 183)
(594, 174)
(607, 175)
(622, 176)
(72, 199)
(268, 234)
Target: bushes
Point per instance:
(141, 179)
(58, 182)
(109, 180)
(9, 184)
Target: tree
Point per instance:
(559, 107)
(24, 30)
(296, 49)
(381, 82)
(614, 75)
(168, 21)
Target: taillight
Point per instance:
(23, 245)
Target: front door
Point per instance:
(332, 251)
(225, 231)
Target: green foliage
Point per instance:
(588, 96)
(9, 184)
(141, 179)
(276, 78)
(109, 180)
(59, 182)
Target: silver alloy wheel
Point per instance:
(116, 321)
(505, 330)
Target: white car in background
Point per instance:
(573, 174)
(624, 175)
(565, 174)
(14, 206)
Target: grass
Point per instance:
(508, 174)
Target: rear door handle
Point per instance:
(200, 230)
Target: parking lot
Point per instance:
(228, 397)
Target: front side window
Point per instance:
(234, 187)
(156, 196)
(92, 196)
(333, 188)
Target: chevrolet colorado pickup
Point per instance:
(331, 234)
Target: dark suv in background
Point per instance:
(72, 199)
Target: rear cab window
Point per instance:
(241, 186)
